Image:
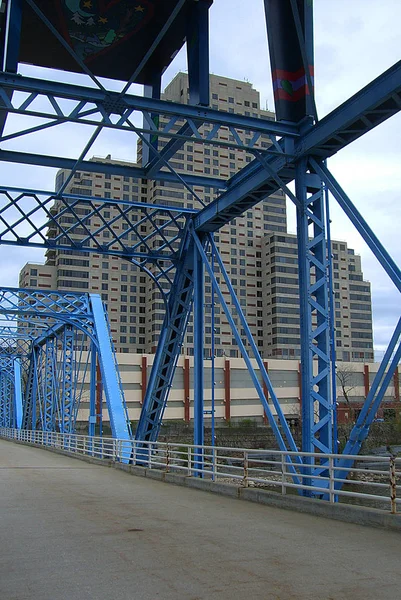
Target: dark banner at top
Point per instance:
(111, 37)
(290, 86)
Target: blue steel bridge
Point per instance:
(42, 332)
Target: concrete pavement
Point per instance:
(77, 531)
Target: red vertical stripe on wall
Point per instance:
(186, 390)
(397, 384)
(300, 388)
(227, 390)
(144, 369)
(366, 379)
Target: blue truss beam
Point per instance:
(67, 382)
(50, 393)
(67, 221)
(119, 422)
(372, 105)
(360, 224)
(110, 102)
(285, 440)
(31, 392)
(59, 162)
(168, 349)
(375, 103)
(317, 430)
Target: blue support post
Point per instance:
(199, 303)
(10, 49)
(67, 384)
(3, 400)
(50, 392)
(317, 406)
(198, 53)
(17, 394)
(169, 348)
(213, 351)
(285, 442)
(31, 391)
(92, 391)
(331, 320)
(119, 422)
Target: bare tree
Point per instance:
(345, 377)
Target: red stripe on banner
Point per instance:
(291, 75)
(298, 95)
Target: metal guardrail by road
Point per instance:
(373, 480)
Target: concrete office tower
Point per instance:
(352, 301)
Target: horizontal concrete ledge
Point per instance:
(348, 513)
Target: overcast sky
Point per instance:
(355, 40)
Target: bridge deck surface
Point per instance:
(71, 530)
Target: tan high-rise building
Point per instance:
(134, 302)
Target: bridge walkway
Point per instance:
(76, 531)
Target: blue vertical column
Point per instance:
(119, 422)
(92, 391)
(168, 348)
(317, 406)
(3, 399)
(10, 49)
(31, 392)
(17, 417)
(198, 52)
(67, 395)
(50, 396)
(198, 318)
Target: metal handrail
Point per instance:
(269, 469)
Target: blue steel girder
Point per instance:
(50, 391)
(317, 405)
(118, 413)
(169, 346)
(18, 396)
(68, 381)
(52, 355)
(6, 398)
(372, 105)
(29, 419)
(83, 222)
(284, 438)
(45, 100)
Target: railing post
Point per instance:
(283, 475)
(393, 486)
(332, 494)
(189, 462)
(167, 457)
(134, 452)
(150, 455)
(245, 477)
(214, 463)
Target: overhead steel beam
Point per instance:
(375, 103)
(115, 103)
(366, 109)
(59, 162)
